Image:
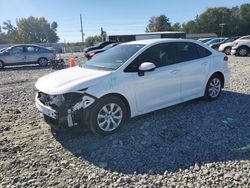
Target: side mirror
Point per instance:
(146, 67)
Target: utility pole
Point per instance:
(102, 32)
(82, 30)
(222, 25)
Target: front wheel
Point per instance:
(213, 88)
(108, 116)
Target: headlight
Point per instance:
(72, 97)
(235, 44)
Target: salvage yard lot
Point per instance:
(194, 144)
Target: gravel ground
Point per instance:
(195, 144)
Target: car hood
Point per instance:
(90, 49)
(227, 44)
(70, 80)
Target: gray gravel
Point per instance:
(195, 144)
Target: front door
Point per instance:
(15, 55)
(160, 87)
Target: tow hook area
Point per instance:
(83, 104)
(70, 119)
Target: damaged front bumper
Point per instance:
(61, 111)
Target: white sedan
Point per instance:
(129, 80)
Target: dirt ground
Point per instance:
(195, 144)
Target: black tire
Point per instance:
(98, 109)
(208, 96)
(43, 62)
(55, 125)
(1, 65)
(227, 50)
(243, 51)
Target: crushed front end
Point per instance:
(69, 108)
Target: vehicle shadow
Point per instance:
(170, 139)
(24, 68)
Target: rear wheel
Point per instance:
(213, 88)
(1, 65)
(227, 50)
(108, 116)
(43, 61)
(243, 51)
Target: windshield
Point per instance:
(109, 46)
(212, 41)
(229, 40)
(97, 44)
(113, 58)
(205, 40)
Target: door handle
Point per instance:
(204, 63)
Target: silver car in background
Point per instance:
(26, 54)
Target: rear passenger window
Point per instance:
(43, 50)
(203, 52)
(32, 49)
(186, 51)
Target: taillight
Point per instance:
(225, 58)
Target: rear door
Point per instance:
(31, 53)
(194, 60)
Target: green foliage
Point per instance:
(224, 21)
(31, 30)
(2, 37)
(245, 19)
(90, 41)
(158, 23)
(176, 27)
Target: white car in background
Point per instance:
(129, 80)
(226, 47)
(241, 47)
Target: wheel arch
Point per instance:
(42, 58)
(244, 46)
(2, 62)
(220, 74)
(120, 96)
(227, 47)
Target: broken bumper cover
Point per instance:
(233, 52)
(46, 110)
(65, 114)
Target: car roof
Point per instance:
(155, 41)
(28, 45)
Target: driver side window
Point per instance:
(16, 50)
(161, 55)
